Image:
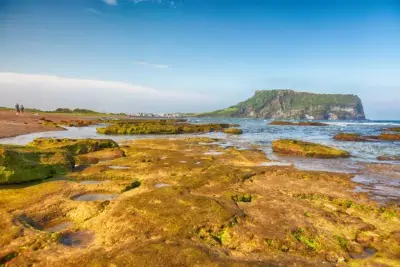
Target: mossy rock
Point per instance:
(233, 131)
(307, 149)
(18, 165)
(303, 123)
(74, 146)
(389, 158)
(394, 129)
(350, 137)
(78, 123)
(162, 127)
(390, 136)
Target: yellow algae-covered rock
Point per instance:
(394, 129)
(390, 136)
(350, 137)
(74, 146)
(19, 165)
(160, 127)
(307, 149)
(233, 131)
(175, 206)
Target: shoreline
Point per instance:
(12, 125)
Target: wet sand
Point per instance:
(14, 125)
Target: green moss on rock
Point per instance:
(242, 198)
(307, 149)
(74, 146)
(394, 129)
(18, 165)
(160, 127)
(233, 131)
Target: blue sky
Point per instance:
(196, 55)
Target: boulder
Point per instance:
(306, 149)
(390, 136)
(389, 158)
(18, 164)
(74, 146)
(160, 127)
(233, 131)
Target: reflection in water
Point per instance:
(214, 153)
(95, 197)
(161, 185)
(93, 182)
(59, 227)
(119, 167)
(275, 163)
(382, 189)
(78, 239)
(368, 252)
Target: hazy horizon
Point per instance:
(196, 56)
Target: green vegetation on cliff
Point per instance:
(289, 104)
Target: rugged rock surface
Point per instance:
(172, 211)
(74, 146)
(288, 104)
(20, 164)
(160, 127)
(306, 149)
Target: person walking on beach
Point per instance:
(17, 108)
(22, 109)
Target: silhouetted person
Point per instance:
(22, 109)
(17, 108)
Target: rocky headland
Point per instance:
(289, 104)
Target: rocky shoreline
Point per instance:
(189, 201)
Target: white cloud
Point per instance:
(148, 64)
(50, 92)
(94, 11)
(110, 2)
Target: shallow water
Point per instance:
(95, 197)
(383, 189)
(78, 239)
(119, 167)
(93, 182)
(214, 153)
(275, 163)
(368, 252)
(59, 227)
(161, 185)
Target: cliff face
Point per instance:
(288, 104)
